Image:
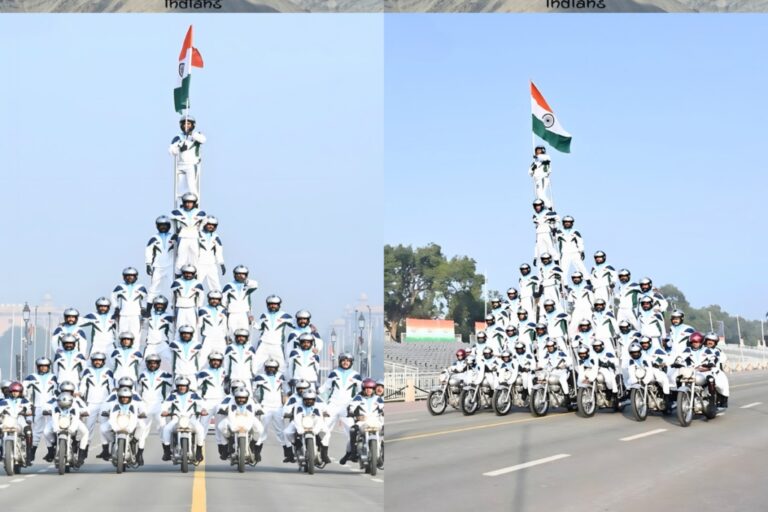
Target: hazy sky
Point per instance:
(667, 172)
(292, 108)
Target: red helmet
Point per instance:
(461, 354)
(697, 337)
(369, 383)
(16, 386)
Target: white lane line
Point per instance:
(16, 480)
(42, 470)
(398, 422)
(750, 405)
(720, 414)
(30, 476)
(644, 434)
(525, 465)
(377, 480)
(4, 486)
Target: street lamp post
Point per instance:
(361, 325)
(25, 314)
(333, 350)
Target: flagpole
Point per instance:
(13, 341)
(711, 327)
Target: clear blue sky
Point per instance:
(292, 107)
(667, 172)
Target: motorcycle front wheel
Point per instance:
(62, 466)
(502, 401)
(436, 403)
(469, 403)
(684, 408)
(639, 404)
(241, 454)
(309, 452)
(373, 456)
(9, 451)
(586, 403)
(539, 404)
(184, 444)
(120, 456)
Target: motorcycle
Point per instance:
(15, 447)
(183, 442)
(241, 454)
(369, 442)
(696, 394)
(124, 447)
(67, 446)
(645, 394)
(547, 391)
(305, 448)
(447, 393)
(477, 392)
(509, 391)
(592, 393)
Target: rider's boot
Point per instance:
(199, 454)
(50, 455)
(222, 451)
(353, 448)
(32, 455)
(256, 451)
(166, 452)
(81, 457)
(324, 454)
(104, 452)
(140, 456)
(288, 454)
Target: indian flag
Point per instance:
(546, 125)
(188, 57)
(418, 330)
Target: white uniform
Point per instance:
(210, 387)
(238, 360)
(603, 279)
(679, 336)
(304, 365)
(159, 332)
(341, 386)
(186, 362)
(253, 426)
(68, 365)
(273, 329)
(628, 294)
(540, 171)
(606, 327)
(651, 324)
(545, 221)
(129, 300)
(212, 328)
(659, 302)
(159, 255)
(529, 288)
(293, 339)
(187, 299)
(555, 360)
(580, 297)
(75, 330)
(154, 388)
(103, 332)
(571, 247)
(39, 389)
(95, 386)
(187, 224)
(269, 390)
(551, 279)
(136, 426)
(126, 363)
(237, 300)
(187, 403)
(77, 428)
(210, 260)
(186, 149)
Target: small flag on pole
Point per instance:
(188, 58)
(546, 125)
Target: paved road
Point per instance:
(563, 462)
(215, 487)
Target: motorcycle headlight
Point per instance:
(9, 423)
(64, 422)
(442, 378)
(372, 424)
(640, 373)
(239, 422)
(184, 422)
(308, 422)
(122, 422)
(686, 373)
(541, 375)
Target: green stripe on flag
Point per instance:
(181, 95)
(559, 142)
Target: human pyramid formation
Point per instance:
(569, 322)
(184, 347)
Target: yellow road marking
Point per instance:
(198, 489)
(474, 427)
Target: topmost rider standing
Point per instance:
(186, 148)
